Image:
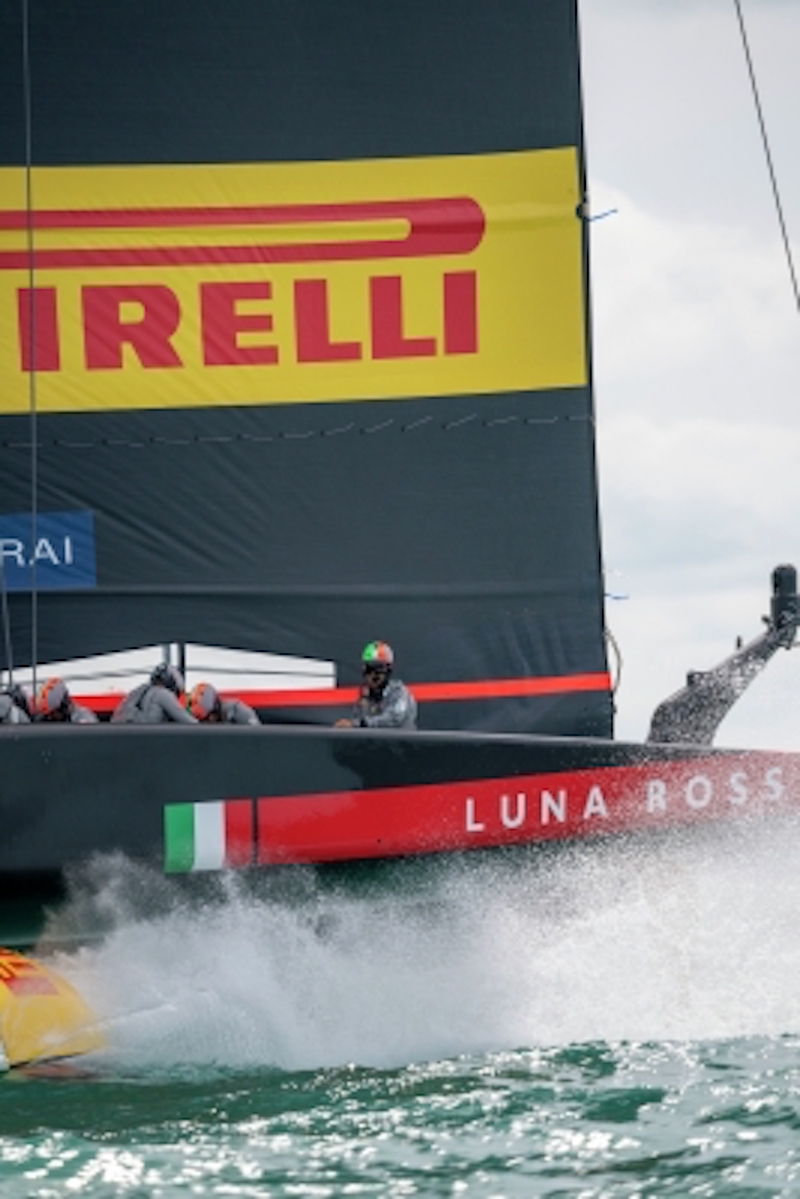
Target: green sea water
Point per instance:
(615, 1020)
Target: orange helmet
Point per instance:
(203, 701)
(51, 697)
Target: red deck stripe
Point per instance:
(502, 688)
(331, 697)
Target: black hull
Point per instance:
(281, 795)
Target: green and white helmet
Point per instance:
(378, 653)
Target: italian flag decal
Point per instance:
(208, 836)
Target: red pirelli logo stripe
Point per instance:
(431, 227)
(335, 697)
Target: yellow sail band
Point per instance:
(191, 286)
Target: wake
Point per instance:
(680, 938)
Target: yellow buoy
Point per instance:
(41, 1015)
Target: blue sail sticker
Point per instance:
(61, 544)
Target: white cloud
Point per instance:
(691, 316)
(668, 107)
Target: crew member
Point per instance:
(206, 704)
(14, 707)
(385, 702)
(54, 703)
(157, 701)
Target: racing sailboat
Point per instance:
(295, 349)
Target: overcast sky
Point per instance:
(696, 341)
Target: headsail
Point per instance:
(293, 304)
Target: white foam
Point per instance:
(663, 940)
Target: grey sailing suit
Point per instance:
(235, 711)
(10, 713)
(151, 704)
(396, 709)
(78, 714)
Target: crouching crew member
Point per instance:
(54, 703)
(385, 703)
(206, 704)
(157, 701)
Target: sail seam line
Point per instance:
(290, 435)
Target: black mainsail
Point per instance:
(298, 293)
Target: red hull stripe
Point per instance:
(334, 697)
(239, 839)
(453, 225)
(394, 821)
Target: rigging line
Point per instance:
(765, 141)
(32, 397)
(6, 624)
(617, 673)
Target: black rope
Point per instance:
(765, 141)
(6, 623)
(26, 84)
